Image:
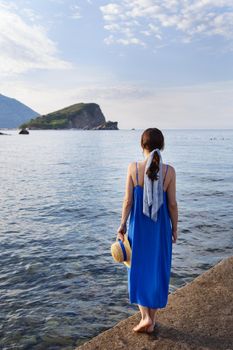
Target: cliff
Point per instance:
(14, 112)
(86, 116)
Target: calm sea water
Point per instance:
(61, 199)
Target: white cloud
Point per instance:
(76, 14)
(46, 98)
(124, 41)
(30, 14)
(112, 27)
(131, 41)
(25, 46)
(111, 10)
(189, 19)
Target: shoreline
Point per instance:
(198, 315)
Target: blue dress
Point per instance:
(151, 245)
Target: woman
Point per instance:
(150, 199)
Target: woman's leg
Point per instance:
(146, 320)
(152, 313)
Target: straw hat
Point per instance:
(121, 251)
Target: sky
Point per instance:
(147, 63)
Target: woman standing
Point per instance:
(150, 199)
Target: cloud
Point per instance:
(124, 41)
(112, 12)
(51, 96)
(187, 19)
(30, 14)
(76, 14)
(25, 46)
(114, 92)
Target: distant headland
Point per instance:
(13, 112)
(85, 116)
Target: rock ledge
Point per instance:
(197, 316)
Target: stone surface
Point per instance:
(24, 132)
(197, 316)
(87, 118)
(107, 126)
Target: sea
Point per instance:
(61, 194)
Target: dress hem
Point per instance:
(151, 307)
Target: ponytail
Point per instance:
(153, 169)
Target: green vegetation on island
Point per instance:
(79, 116)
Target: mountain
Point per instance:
(13, 113)
(84, 116)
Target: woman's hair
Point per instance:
(153, 138)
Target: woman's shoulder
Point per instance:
(133, 165)
(170, 168)
(136, 163)
(171, 173)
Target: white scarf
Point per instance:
(153, 190)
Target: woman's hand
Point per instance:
(121, 232)
(174, 236)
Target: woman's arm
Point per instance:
(127, 203)
(172, 204)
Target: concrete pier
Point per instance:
(197, 316)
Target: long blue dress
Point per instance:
(151, 245)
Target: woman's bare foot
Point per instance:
(143, 325)
(150, 329)
(153, 317)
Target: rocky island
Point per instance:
(85, 116)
